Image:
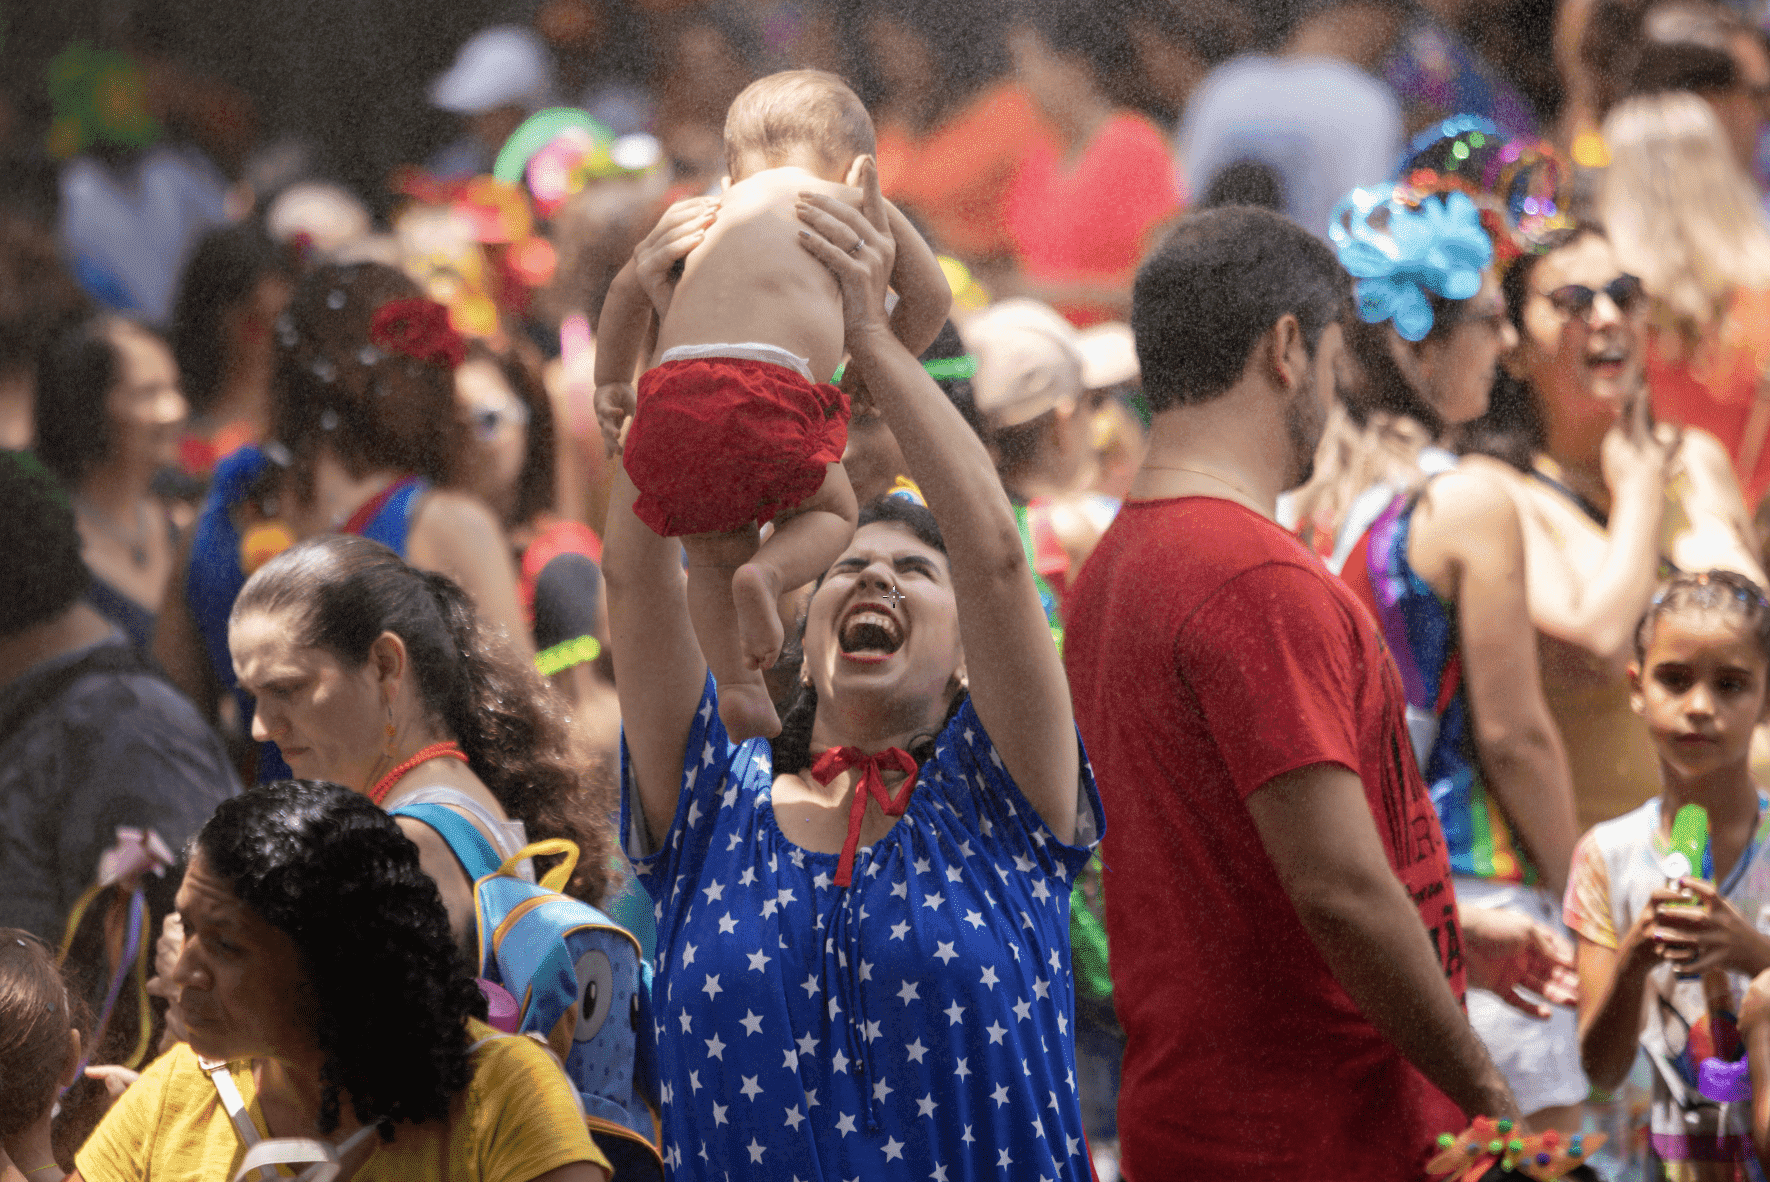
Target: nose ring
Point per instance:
(892, 596)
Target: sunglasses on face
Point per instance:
(1576, 299)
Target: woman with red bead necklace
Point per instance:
(371, 673)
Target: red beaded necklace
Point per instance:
(448, 750)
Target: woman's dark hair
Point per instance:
(1512, 429)
(1080, 29)
(340, 592)
(521, 371)
(1218, 283)
(43, 574)
(225, 269)
(1381, 387)
(36, 1014)
(959, 391)
(967, 43)
(37, 295)
(390, 994)
(1713, 590)
(376, 410)
(75, 372)
(792, 747)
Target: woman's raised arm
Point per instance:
(1016, 679)
(659, 670)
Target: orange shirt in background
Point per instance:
(956, 179)
(1713, 384)
(1088, 219)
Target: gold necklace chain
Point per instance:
(1207, 475)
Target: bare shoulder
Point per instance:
(1470, 496)
(446, 517)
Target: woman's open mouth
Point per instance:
(869, 633)
(1608, 363)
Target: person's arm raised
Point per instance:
(1016, 678)
(659, 670)
(1597, 609)
(1316, 825)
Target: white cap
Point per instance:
(505, 65)
(1027, 361)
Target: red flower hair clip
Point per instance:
(420, 328)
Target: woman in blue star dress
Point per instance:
(843, 991)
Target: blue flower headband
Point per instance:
(1436, 246)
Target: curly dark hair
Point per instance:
(43, 574)
(373, 410)
(792, 747)
(391, 996)
(342, 591)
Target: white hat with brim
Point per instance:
(1027, 361)
(503, 66)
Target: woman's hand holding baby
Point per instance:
(681, 229)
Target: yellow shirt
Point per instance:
(516, 1121)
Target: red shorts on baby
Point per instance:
(720, 442)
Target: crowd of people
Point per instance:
(974, 589)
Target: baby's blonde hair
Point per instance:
(792, 109)
(1681, 214)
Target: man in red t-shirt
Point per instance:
(1286, 955)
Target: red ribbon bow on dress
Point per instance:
(837, 760)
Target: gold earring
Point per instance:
(391, 730)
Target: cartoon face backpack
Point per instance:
(579, 982)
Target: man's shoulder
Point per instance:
(104, 697)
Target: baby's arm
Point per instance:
(620, 337)
(924, 296)
(643, 286)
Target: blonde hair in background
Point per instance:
(1681, 214)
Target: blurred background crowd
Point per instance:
(201, 203)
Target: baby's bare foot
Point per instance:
(747, 712)
(754, 592)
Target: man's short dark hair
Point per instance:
(42, 574)
(1215, 286)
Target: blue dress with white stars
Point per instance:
(917, 1024)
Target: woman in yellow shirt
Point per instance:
(324, 1000)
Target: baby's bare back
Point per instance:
(752, 281)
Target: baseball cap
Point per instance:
(505, 65)
(1028, 361)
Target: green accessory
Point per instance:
(97, 96)
(579, 650)
(941, 369)
(1690, 844)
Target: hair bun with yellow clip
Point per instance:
(1401, 247)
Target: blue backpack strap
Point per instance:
(469, 845)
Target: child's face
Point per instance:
(1701, 688)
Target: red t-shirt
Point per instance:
(1208, 652)
(1091, 221)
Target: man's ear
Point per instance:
(1287, 354)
